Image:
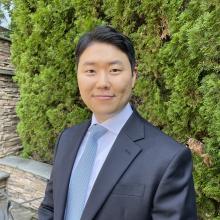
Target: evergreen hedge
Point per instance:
(178, 52)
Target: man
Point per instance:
(137, 172)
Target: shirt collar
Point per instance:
(115, 123)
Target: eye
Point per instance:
(90, 72)
(115, 71)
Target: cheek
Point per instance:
(124, 87)
(84, 85)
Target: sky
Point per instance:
(6, 21)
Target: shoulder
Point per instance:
(75, 128)
(161, 151)
(75, 131)
(161, 144)
(68, 135)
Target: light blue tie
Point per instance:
(80, 176)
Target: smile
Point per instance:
(103, 97)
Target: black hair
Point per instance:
(106, 34)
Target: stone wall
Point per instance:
(5, 61)
(3, 195)
(9, 140)
(27, 181)
(9, 95)
(23, 187)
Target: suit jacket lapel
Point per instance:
(66, 161)
(122, 154)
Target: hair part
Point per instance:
(106, 34)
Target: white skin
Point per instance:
(105, 79)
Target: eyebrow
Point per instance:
(88, 63)
(116, 62)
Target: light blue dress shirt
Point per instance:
(105, 143)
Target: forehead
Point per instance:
(98, 52)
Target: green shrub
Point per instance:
(178, 53)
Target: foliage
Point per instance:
(177, 45)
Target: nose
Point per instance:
(103, 80)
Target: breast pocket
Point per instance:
(124, 203)
(129, 190)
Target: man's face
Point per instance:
(105, 79)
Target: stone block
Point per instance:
(27, 180)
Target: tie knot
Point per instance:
(97, 131)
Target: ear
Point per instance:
(134, 76)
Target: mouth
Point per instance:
(103, 97)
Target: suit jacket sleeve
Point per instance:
(46, 209)
(175, 196)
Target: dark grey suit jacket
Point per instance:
(146, 176)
